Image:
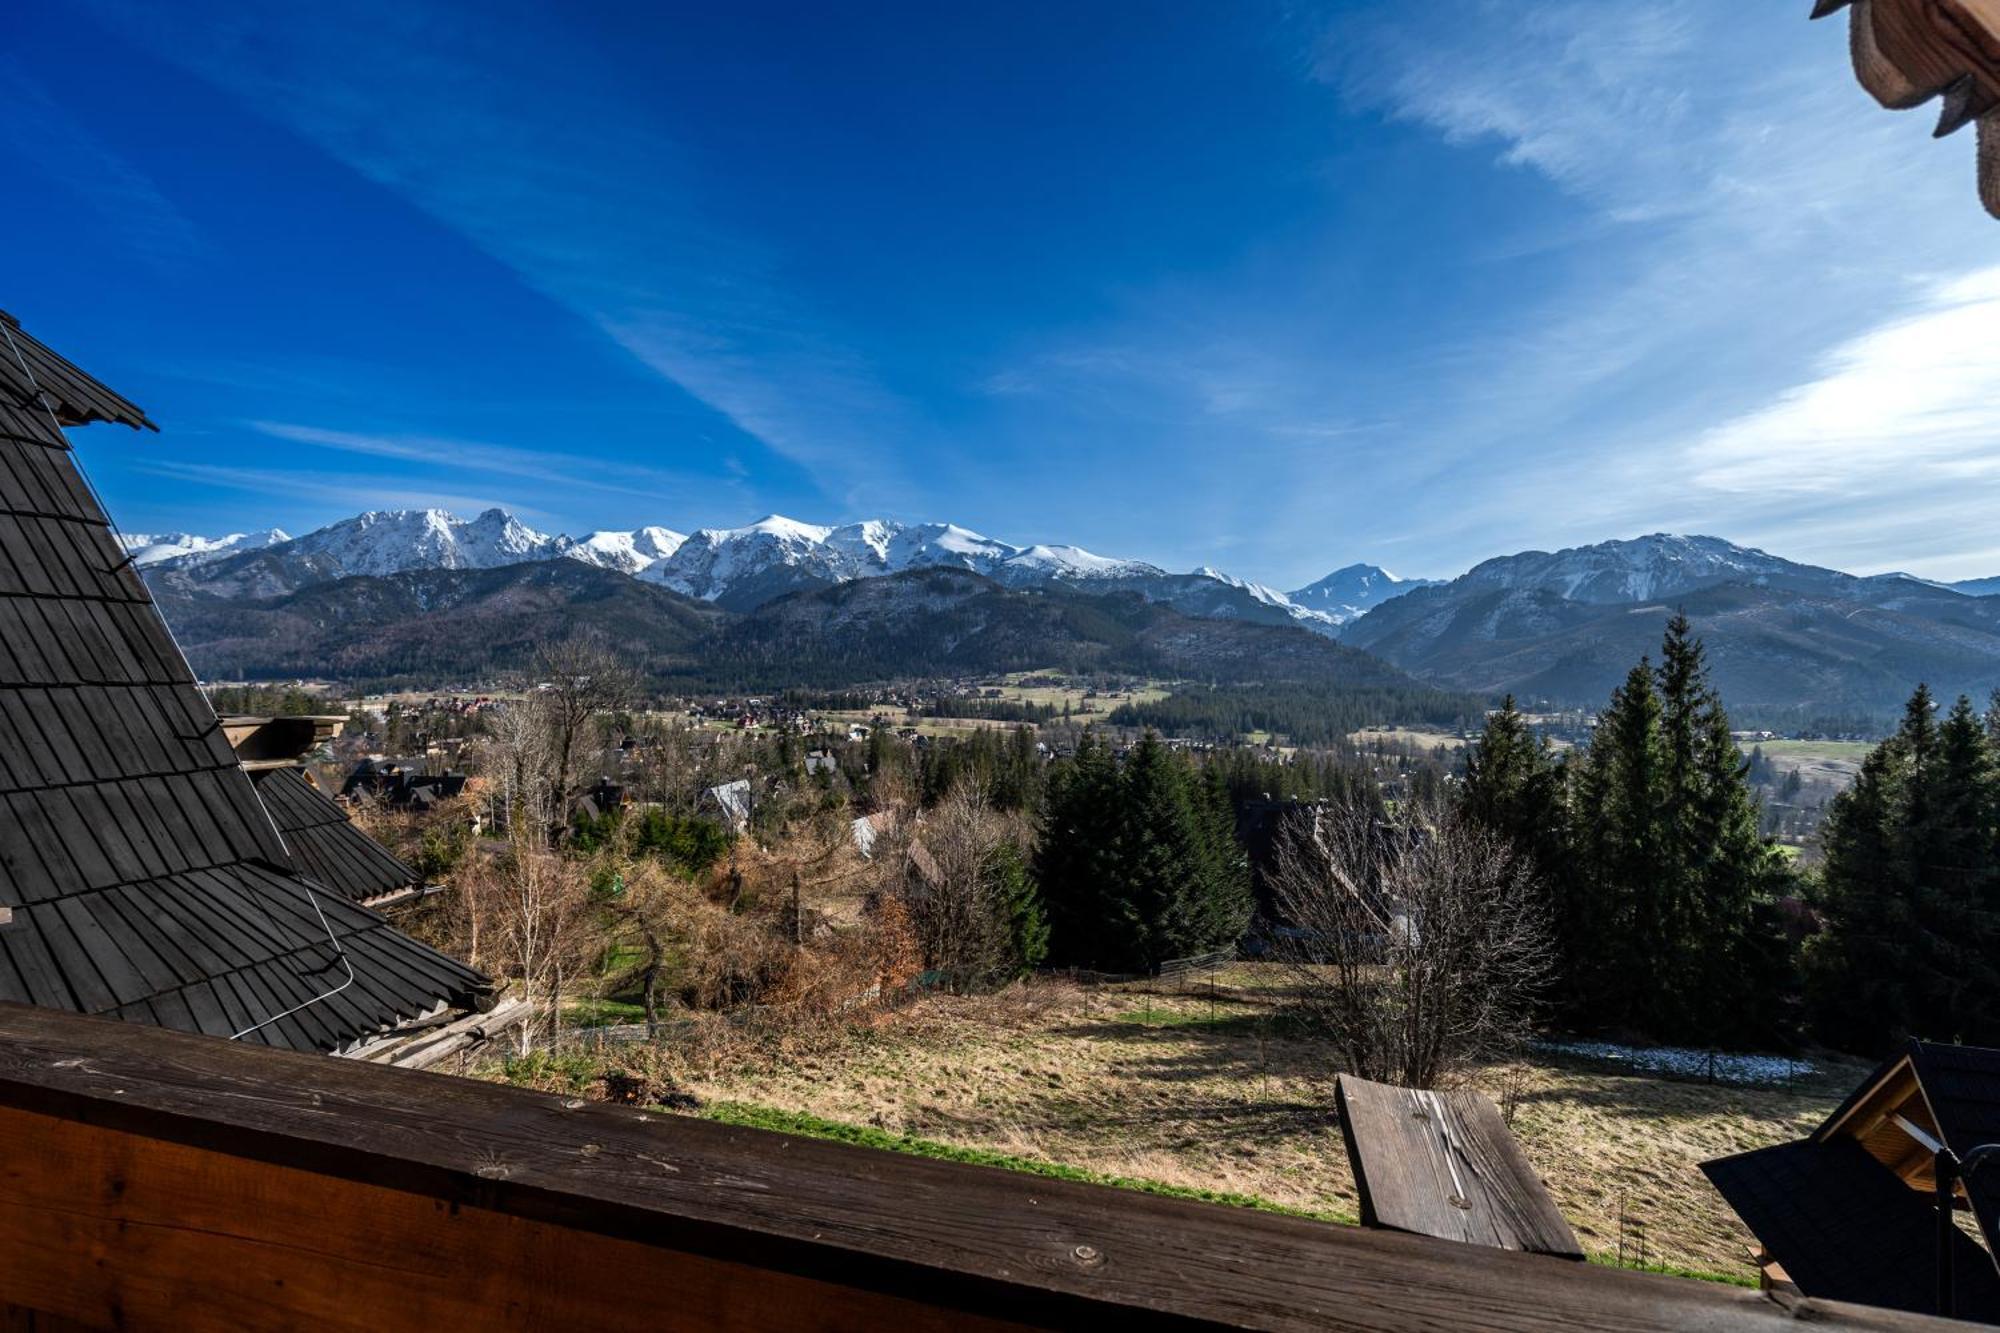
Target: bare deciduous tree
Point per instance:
(541, 902)
(579, 682)
(950, 892)
(1419, 947)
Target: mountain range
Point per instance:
(1787, 639)
(738, 569)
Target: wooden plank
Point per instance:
(1443, 1164)
(202, 1241)
(974, 1242)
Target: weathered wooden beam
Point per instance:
(1906, 52)
(155, 1179)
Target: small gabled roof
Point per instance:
(1844, 1229)
(144, 879)
(324, 843)
(1950, 1094)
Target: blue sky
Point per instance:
(1273, 287)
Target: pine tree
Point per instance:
(1139, 864)
(1617, 918)
(1909, 889)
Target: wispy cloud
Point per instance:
(336, 491)
(566, 468)
(1748, 326)
(493, 126)
(38, 131)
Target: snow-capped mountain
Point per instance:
(1567, 626)
(1657, 565)
(391, 541)
(381, 542)
(151, 548)
(628, 552)
(735, 568)
(1353, 591)
(744, 567)
(1977, 587)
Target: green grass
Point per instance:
(866, 1136)
(593, 1011)
(1675, 1270)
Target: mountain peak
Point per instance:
(1354, 590)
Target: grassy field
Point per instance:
(1397, 738)
(1833, 763)
(1218, 1096)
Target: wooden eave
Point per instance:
(1908, 52)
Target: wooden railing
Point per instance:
(154, 1180)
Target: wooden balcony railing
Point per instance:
(154, 1180)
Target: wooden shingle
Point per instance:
(146, 877)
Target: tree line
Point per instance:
(1665, 899)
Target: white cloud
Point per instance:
(1909, 405)
(567, 468)
(1770, 315)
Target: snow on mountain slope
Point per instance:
(1977, 587)
(628, 552)
(147, 548)
(1352, 591)
(736, 568)
(394, 540)
(1637, 570)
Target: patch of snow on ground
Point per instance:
(1685, 1061)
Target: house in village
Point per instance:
(733, 801)
(142, 877)
(401, 784)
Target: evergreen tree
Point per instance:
(1911, 889)
(1515, 785)
(1139, 864)
(1672, 928)
(1620, 795)
(1020, 902)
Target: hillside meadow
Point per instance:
(1206, 1090)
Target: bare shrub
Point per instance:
(951, 893)
(1419, 947)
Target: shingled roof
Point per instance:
(324, 843)
(142, 877)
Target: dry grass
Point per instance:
(1221, 1095)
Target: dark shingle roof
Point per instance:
(1846, 1228)
(145, 878)
(324, 843)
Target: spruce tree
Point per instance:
(1909, 890)
(1515, 786)
(1077, 859)
(1615, 925)
(1139, 863)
